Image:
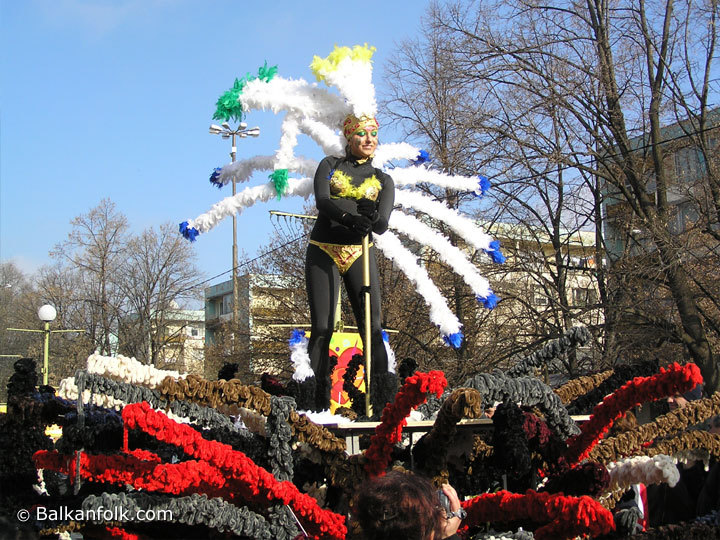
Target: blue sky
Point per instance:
(113, 99)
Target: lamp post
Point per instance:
(227, 132)
(47, 314)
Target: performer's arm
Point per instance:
(324, 203)
(385, 205)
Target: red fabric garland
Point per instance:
(414, 392)
(671, 380)
(252, 478)
(182, 478)
(563, 517)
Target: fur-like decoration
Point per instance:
(560, 517)
(431, 451)
(585, 403)
(418, 231)
(356, 397)
(440, 313)
(299, 356)
(129, 370)
(659, 469)
(632, 441)
(191, 510)
(412, 394)
(673, 379)
(350, 71)
(580, 386)
(390, 353)
(573, 338)
(280, 451)
(528, 392)
(511, 455)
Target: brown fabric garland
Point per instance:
(431, 450)
(630, 443)
(221, 394)
(580, 386)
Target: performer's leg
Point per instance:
(321, 279)
(383, 384)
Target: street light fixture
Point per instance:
(226, 132)
(46, 314)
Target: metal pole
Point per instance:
(46, 354)
(368, 320)
(233, 151)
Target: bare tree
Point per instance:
(158, 276)
(95, 248)
(588, 88)
(471, 131)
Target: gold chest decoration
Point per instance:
(341, 186)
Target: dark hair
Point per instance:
(398, 505)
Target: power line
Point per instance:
(246, 263)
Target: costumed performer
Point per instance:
(353, 199)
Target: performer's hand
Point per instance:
(366, 208)
(360, 224)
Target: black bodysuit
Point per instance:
(336, 185)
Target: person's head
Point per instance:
(714, 424)
(678, 401)
(361, 134)
(398, 505)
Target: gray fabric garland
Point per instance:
(194, 509)
(527, 391)
(130, 393)
(575, 337)
(279, 436)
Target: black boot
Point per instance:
(324, 385)
(303, 392)
(382, 391)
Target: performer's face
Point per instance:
(364, 141)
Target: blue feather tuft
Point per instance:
(190, 233)
(385, 336)
(297, 337)
(490, 302)
(422, 157)
(483, 186)
(454, 340)
(495, 253)
(215, 177)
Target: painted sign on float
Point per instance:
(344, 345)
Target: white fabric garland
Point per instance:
(643, 470)
(246, 198)
(440, 313)
(409, 176)
(330, 140)
(285, 155)
(295, 96)
(387, 152)
(68, 390)
(452, 255)
(463, 226)
(129, 370)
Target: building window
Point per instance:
(226, 304)
(539, 297)
(584, 296)
(689, 164)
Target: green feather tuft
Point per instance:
(228, 105)
(266, 73)
(279, 177)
